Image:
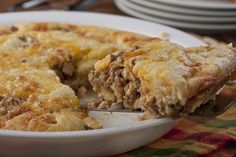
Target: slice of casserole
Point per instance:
(162, 78)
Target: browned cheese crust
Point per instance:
(39, 61)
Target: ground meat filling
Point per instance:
(66, 71)
(122, 86)
(65, 66)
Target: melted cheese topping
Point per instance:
(32, 97)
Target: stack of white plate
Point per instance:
(198, 15)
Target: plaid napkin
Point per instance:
(196, 137)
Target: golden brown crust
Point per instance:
(32, 97)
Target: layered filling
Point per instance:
(118, 87)
(66, 71)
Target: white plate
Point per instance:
(122, 132)
(180, 24)
(175, 16)
(206, 4)
(185, 10)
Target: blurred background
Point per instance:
(214, 21)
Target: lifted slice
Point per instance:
(163, 78)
